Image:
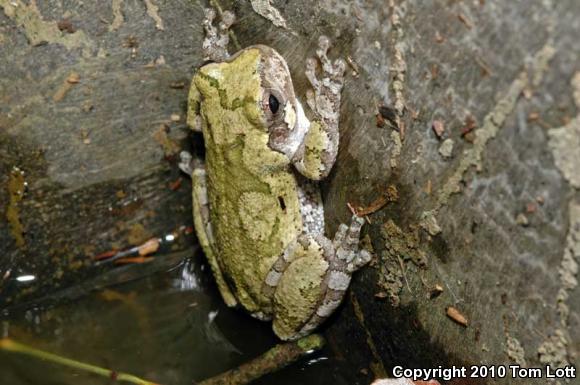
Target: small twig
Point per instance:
(149, 247)
(402, 264)
(274, 359)
(462, 18)
(389, 195)
(10, 345)
(142, 252)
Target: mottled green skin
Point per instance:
(246, 180)
(315, 144)
(299, 290)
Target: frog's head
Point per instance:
(257, 79)
(282, 113)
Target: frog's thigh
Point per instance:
(204, 233)
(302, 286)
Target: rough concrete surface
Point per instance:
(92, 99)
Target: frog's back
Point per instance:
(254, 207)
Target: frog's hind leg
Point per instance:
(312, 282)
(277, 269)
(204, 232)
(312, 213)
(296, 282)
(347, 258)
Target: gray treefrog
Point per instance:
(257, 208)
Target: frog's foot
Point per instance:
(317, 153)
(189, 163)
(347, 259)
(346, 242)
(324, 98)
(310, 279)
(215, 44)
(186, 162)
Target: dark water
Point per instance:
(169, 326)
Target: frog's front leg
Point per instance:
(317, 153)
(215, 43)
(204, 232)
(309, 282)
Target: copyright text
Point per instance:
(483, 371)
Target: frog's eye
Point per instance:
(273, 104)
(275, 108)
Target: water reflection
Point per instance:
(188, 279)
(170, 326)
(26, 278)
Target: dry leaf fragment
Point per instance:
(533, 116)
(438, 128)
(456, 316)
(469, 125)
(522, 220)
(149, 247)
(177, 85)
(72, 79)
(439, 38)
(65, 25)
(429, 187)
(436, 291)
(462, 18)
(391, 194)
(353, 65)
(387, 116)
(381, 295)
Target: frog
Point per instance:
(257, 206)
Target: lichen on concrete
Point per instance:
(391, 278)
(396, 149)
(399, 66)
(404, 244)
(397, 84)
(429, 223)
(565, 142)
(265, 9)
(446, 148)
(153, 12)
(39, 31)
(515, 351)
(553, 350)
(118, 17)
(400, 247)
(492, 122)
